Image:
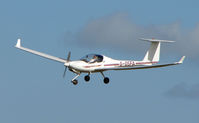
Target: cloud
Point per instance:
(183, 90)
(119, 31)
(115, 30)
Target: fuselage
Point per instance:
(106, 63)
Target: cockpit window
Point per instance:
(92, 58)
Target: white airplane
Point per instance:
(92, 63)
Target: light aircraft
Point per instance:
(93, 63)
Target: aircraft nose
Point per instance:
(74, 64)
(71, 64)
(67, 64)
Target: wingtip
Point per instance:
(18, 43)
(181, 60)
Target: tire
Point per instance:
(106, 80)
(75, 82)
(87, 78)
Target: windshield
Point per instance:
(91, 58)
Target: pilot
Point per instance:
(94, 59)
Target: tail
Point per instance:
(153, 54)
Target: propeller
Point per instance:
(67, 60)
(64, 71)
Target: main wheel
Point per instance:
(106, 80)
(75, 82)
(87, 78)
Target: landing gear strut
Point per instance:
(106, 79)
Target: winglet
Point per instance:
(18, 43)
(181, 60)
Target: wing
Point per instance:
(144, 67)
(18, 45)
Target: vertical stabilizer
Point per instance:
(153, 54)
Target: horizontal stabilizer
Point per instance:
(155, 40)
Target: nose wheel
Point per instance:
(75, 82)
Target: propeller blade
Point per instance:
(64, 72)
(68, 58)
(67, 61)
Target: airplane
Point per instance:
(93, 63)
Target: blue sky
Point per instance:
(32, 88)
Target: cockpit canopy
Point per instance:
(92, 58)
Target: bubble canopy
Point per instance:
(92, 58)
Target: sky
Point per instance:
(32, 88)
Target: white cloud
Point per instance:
(119, 31)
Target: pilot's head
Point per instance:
(94, 57)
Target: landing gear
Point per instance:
(106, 80)
(75, 82)
(87, 78)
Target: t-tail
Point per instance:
(152, 56)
